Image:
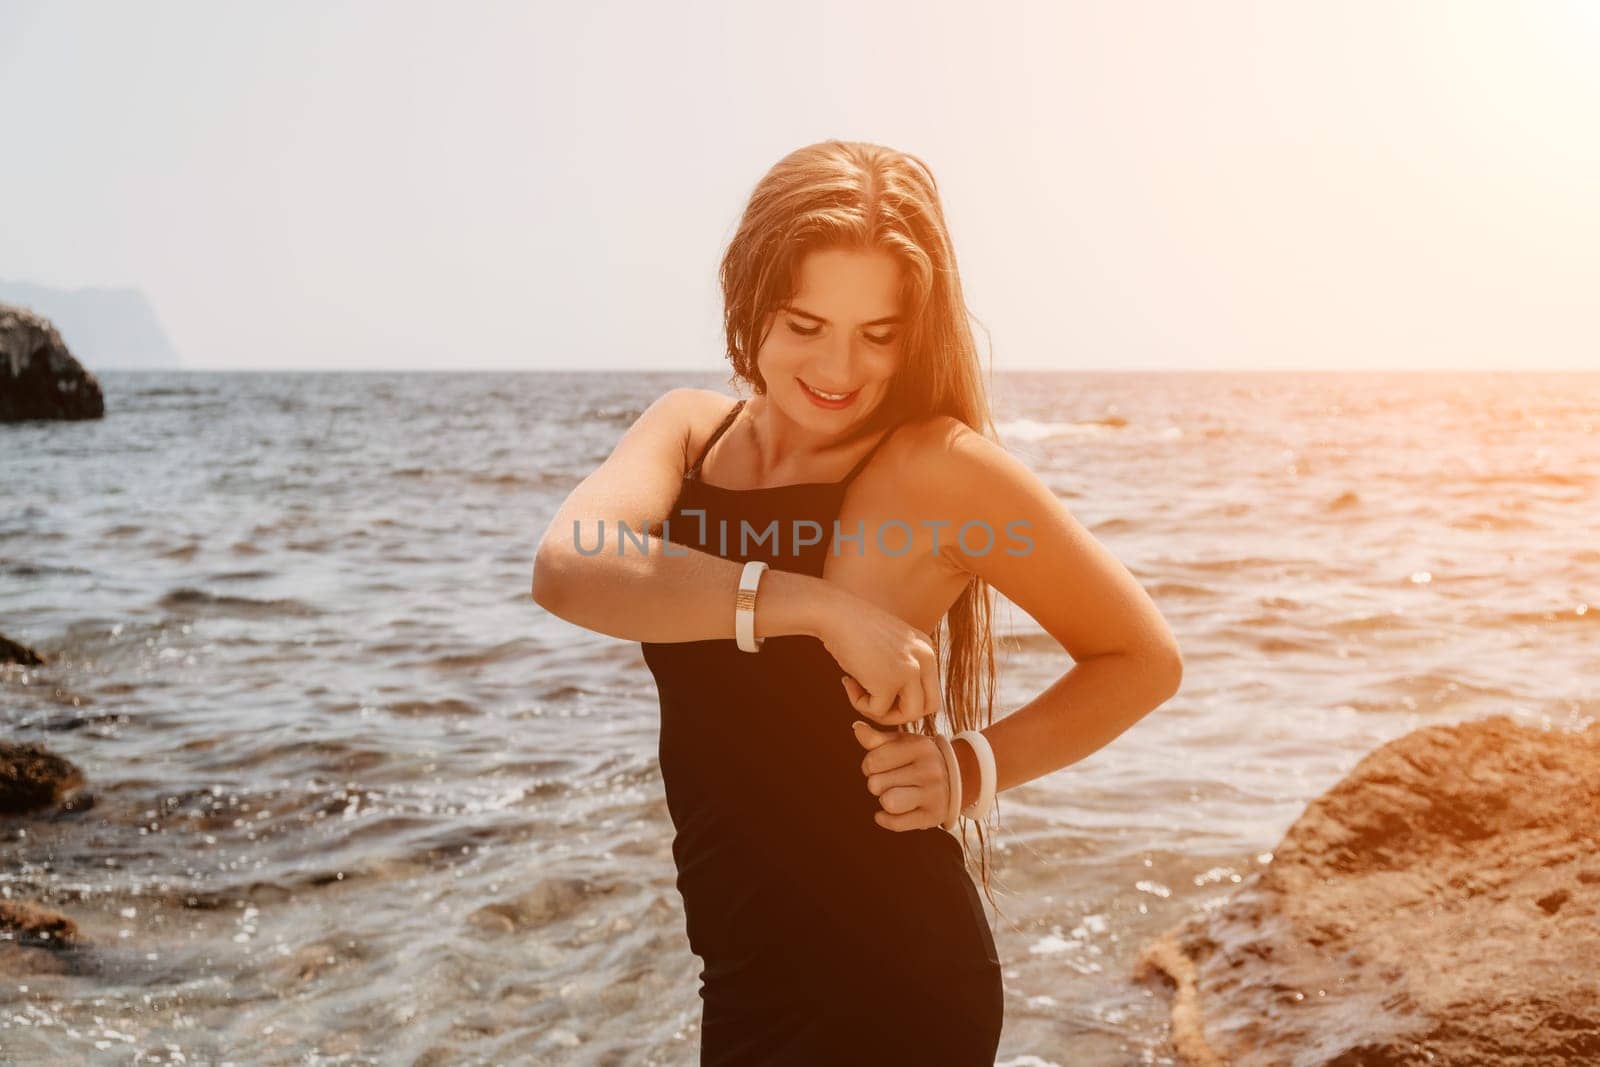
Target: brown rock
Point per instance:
(39, 378)
(11, 652)
(1438, 906)
(30, 924)
(32, 777)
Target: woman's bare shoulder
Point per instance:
(924, 444)
(941, 459)
(701, 412)
(690, 399)
(681, 420)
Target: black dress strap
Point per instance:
(861, 464)
(694, 471)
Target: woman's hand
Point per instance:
(891, 672)
(907, 773)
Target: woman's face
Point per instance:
(840, 333)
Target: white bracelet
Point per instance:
(952, 769)
(986, 774)
(744, 607)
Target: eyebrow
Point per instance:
(875, 322)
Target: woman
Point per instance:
(806, 732)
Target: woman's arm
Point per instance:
(639, 595)
(1126, 661)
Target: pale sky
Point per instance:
(1129, 185)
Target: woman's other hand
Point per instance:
(891, 672)
(907, 773)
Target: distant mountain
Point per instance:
(106, 329)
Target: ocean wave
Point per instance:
(189, 599)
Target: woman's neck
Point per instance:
(784, 451)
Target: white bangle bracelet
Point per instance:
(979, 808)
(952, 768)
(744, 607)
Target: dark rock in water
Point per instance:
(11, 652)
(39, 379)
(30, 924)
(32, 778)
(1440, 905)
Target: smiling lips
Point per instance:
(827, 400)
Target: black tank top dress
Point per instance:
(825, 938)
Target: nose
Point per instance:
(837, 370)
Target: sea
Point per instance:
(357, 799)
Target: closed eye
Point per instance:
(884, 339)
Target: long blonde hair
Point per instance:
(854, 195)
